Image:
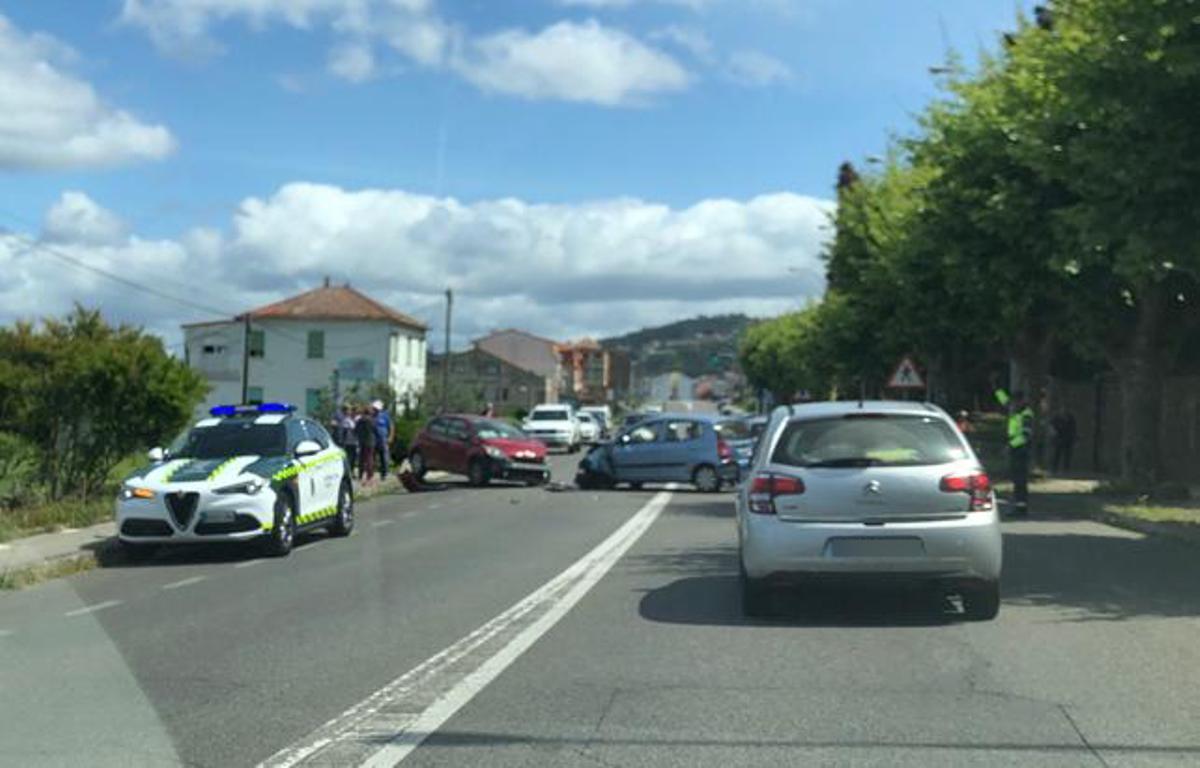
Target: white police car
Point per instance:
(249, 473)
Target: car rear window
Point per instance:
(548, 416)
(860, 440)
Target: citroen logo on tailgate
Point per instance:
(872, 489)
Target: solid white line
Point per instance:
(385, 709)
(184, 582)
(381, 523)
(248, 563)
(6, 632)
(92, 608)
(4, 547)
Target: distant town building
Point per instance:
(674, 386)
(478, 377)
(298, 344)
(591, 373)
(528, 352)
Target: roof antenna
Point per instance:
(862, 391)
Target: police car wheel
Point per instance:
(343, 521)
(283, 534)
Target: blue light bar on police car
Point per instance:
(233, 410)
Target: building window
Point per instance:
(312, 401)
(316, 345)
(257, 344)
(214, 349)
(504, 394)
(409, 344)
(254, 395)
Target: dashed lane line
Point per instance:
(93, 608)
(184, 582)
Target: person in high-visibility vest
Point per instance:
(1019, 434)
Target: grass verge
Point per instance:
(44, 518)
(21, 578)
(1155, 513)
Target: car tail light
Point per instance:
(724, 452)
(764, 488)
(977, 484)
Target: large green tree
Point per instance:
(86, 394)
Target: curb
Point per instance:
(1178, 531)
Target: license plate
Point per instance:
(218, 516)
(876, 547)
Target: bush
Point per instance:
(18, 472)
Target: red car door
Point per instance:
(458, 445)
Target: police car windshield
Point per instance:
(235, 437)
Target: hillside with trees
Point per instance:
(696, 346)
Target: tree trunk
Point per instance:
(1140, 371)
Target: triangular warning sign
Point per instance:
(906, 376)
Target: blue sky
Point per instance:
(638, 116)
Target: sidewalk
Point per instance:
(45, 547)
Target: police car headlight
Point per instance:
(494, 452)
(249, 487)
(133, 492)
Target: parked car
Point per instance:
(885, 490)
(662, 449)
(604, 418)
(589, 428)
(554, 425)
(736, 433)
(483, 449)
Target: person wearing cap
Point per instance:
(385, 432)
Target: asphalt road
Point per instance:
(636, 655)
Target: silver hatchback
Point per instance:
(880, 489)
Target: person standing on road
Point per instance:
(385, 432)
(1019, 435)
(366, 431)
(1064, 440)
(347, 438)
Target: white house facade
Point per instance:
(333, 336)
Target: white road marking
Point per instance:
(4, 547)
(184, 582)
(5, 632)
(93, 608)
(67, 530)
(381, 523)
(435, 505)
(248, 563)
(398, 715)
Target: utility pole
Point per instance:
(245, 356)
(446, 352)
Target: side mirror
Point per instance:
(307, 448)
(156, 455)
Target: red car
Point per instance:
(483, 449)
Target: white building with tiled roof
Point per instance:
(296, 345)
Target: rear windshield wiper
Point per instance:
(847, 461)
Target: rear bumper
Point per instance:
(969, 548)
(554, 440)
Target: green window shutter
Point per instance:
(257, 344)
(316, 345)
(312, 400)
(254, 394)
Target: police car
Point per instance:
(248, 473)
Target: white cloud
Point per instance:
(757, 69)
(691, 39)
(584, 62)
(562, 270)
(76, 218)
(50, 119)
(353, 62)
